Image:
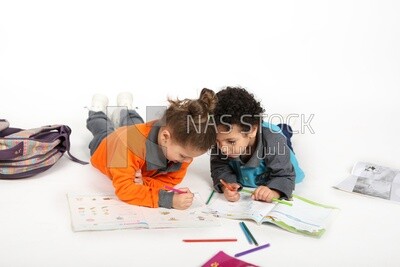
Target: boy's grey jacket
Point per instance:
(269, 165)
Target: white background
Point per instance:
(338, 61)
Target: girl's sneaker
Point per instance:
(125, 99)
(99, 103)
(124, 102)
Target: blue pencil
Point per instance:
(251, 236)
(245, 233)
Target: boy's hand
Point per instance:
(182, 201)
(264, 193)
(232, 195)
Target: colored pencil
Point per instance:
(247, 191)
(282, 201)
(209, 198)
(251, 250)
(174, 189)
(210, 240)
(274, 199)
(227, 185)
(251, 236)
(246, 233)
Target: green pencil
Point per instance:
(274, 199)
(209, 198)
(247, 191)
(282, 201)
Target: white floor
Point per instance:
(335, 64)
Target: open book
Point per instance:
(92, 212)
(373, 180)
(304, 216)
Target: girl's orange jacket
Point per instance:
(133, 148)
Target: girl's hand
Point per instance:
(232, 195)
(138, 177)
(182, 201)
(264, 193)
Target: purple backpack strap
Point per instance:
(66, 131)
(27, 152)
(13, 152)
(9, 131)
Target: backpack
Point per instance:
(24, 153)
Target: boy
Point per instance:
(250, 152)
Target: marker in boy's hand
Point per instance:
(231, 192)
(228, 186)
(182, 201)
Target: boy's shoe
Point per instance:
(124, 102)
(99, 103)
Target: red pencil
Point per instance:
(227, 185)
(210, 240)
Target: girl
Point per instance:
(141, 158)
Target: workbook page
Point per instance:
(302, 215)
(103, 211)
(93, 212)
(172, 218)
(244, 208)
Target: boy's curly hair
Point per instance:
(237, 106)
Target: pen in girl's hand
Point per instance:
(174, 189)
